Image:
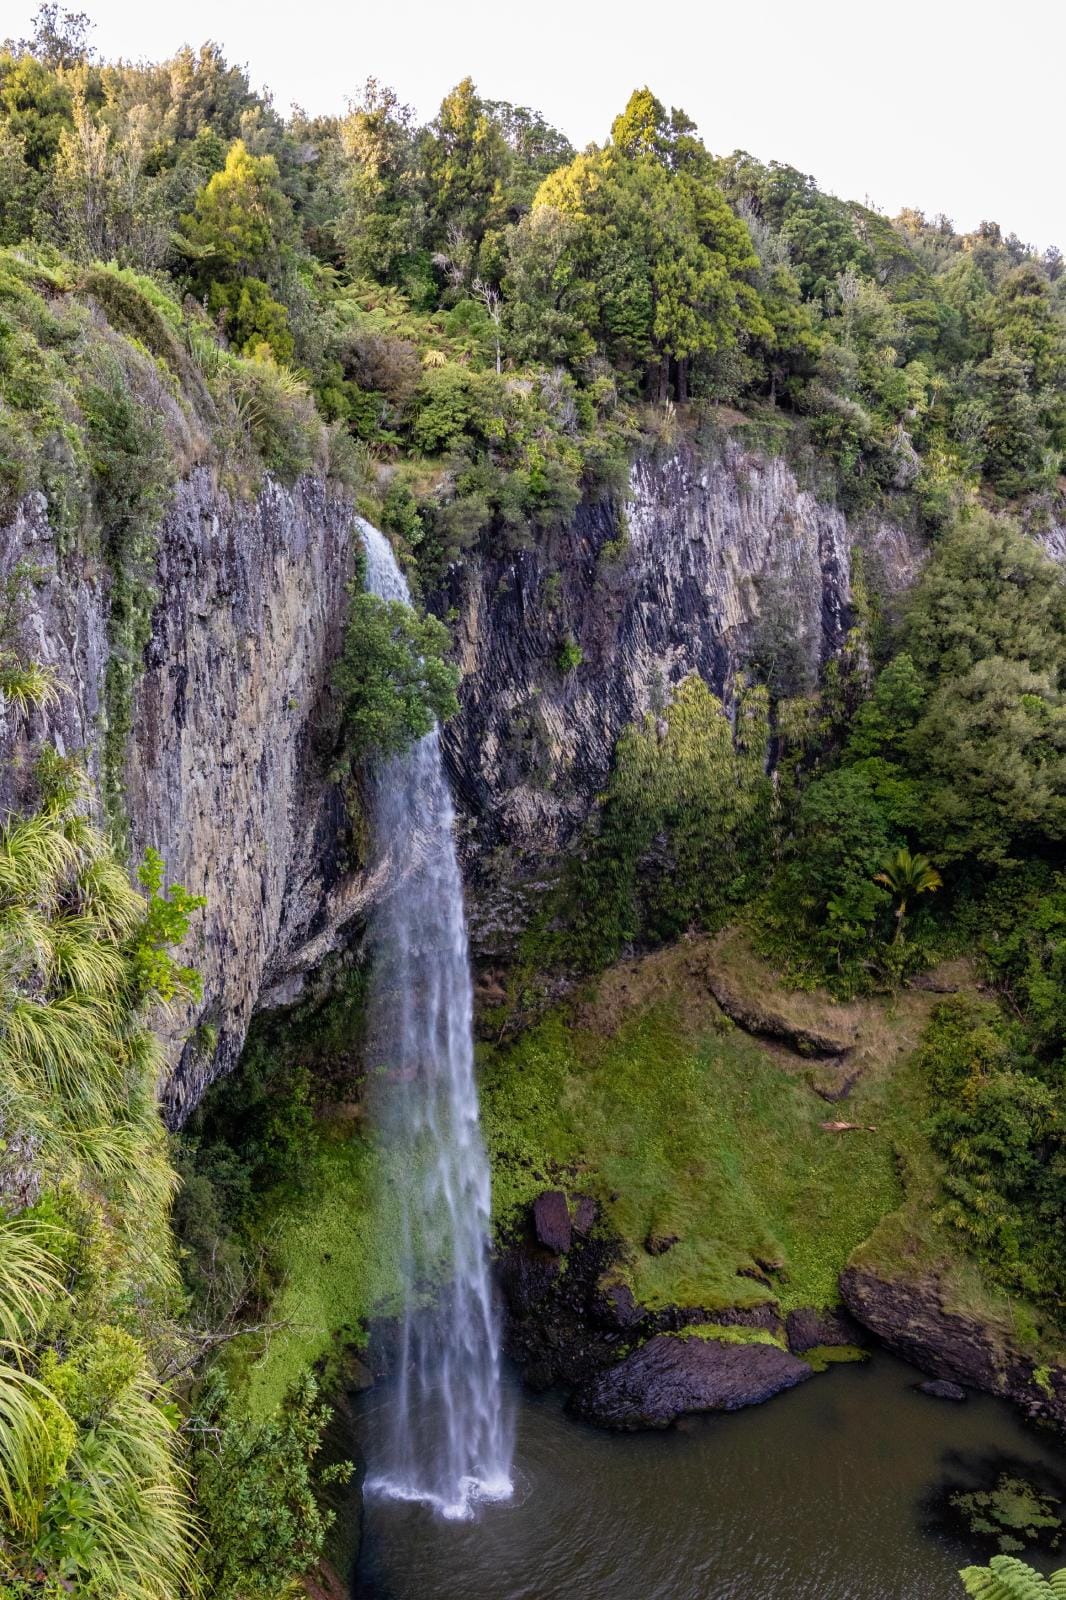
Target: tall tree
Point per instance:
(666, 265)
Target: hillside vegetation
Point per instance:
(475, 328)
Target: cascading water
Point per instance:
(449, 1441)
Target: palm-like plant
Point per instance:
(121, 1516)
(94, 1493)
(35, 1432)
(907, 876)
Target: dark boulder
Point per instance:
(669, 1376)
(551, 1221)
(808, 1328)
(657, 1244)
(942, 1389)
(586, 1212)
(526, 1276)
(614, 1306)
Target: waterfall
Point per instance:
(448, 1441)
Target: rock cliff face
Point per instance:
(712, 561)
(223, 776)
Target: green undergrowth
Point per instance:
(326, 1245)
(821, 1356)
(703, 1136)
(728, 1333)
(680, 837)
(280, 1214)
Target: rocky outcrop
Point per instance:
(572, 1320)
(763, 1018)
(910, 1316)
(223, 776)
(809, 1329)
(711, 561)
(669, 1376)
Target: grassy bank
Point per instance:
(646, 1095)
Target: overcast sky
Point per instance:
(943, 104)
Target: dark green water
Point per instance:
(820, 1495)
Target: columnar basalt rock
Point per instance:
(223, 775)
(708, 560)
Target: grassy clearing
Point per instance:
(681, 1124)
(644, 1095)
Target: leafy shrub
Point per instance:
(681, 835)
(392, 678)
(256, 1490)
(825, 907)
(252, 318)
(570, 656)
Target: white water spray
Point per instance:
(449, 1443)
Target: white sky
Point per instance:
(943, 104)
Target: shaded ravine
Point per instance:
(448, 1440)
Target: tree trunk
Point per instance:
(662, 381)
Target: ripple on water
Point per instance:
(819, 1495)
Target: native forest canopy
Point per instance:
(731, 517)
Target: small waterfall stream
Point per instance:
(449, 1441)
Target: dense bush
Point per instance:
(392, 678)
(999, 1127)
(258, 1488)
(432, 285)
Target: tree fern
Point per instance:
(1007, 1578)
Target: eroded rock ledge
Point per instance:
(910, 1317)
(572, 1321)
